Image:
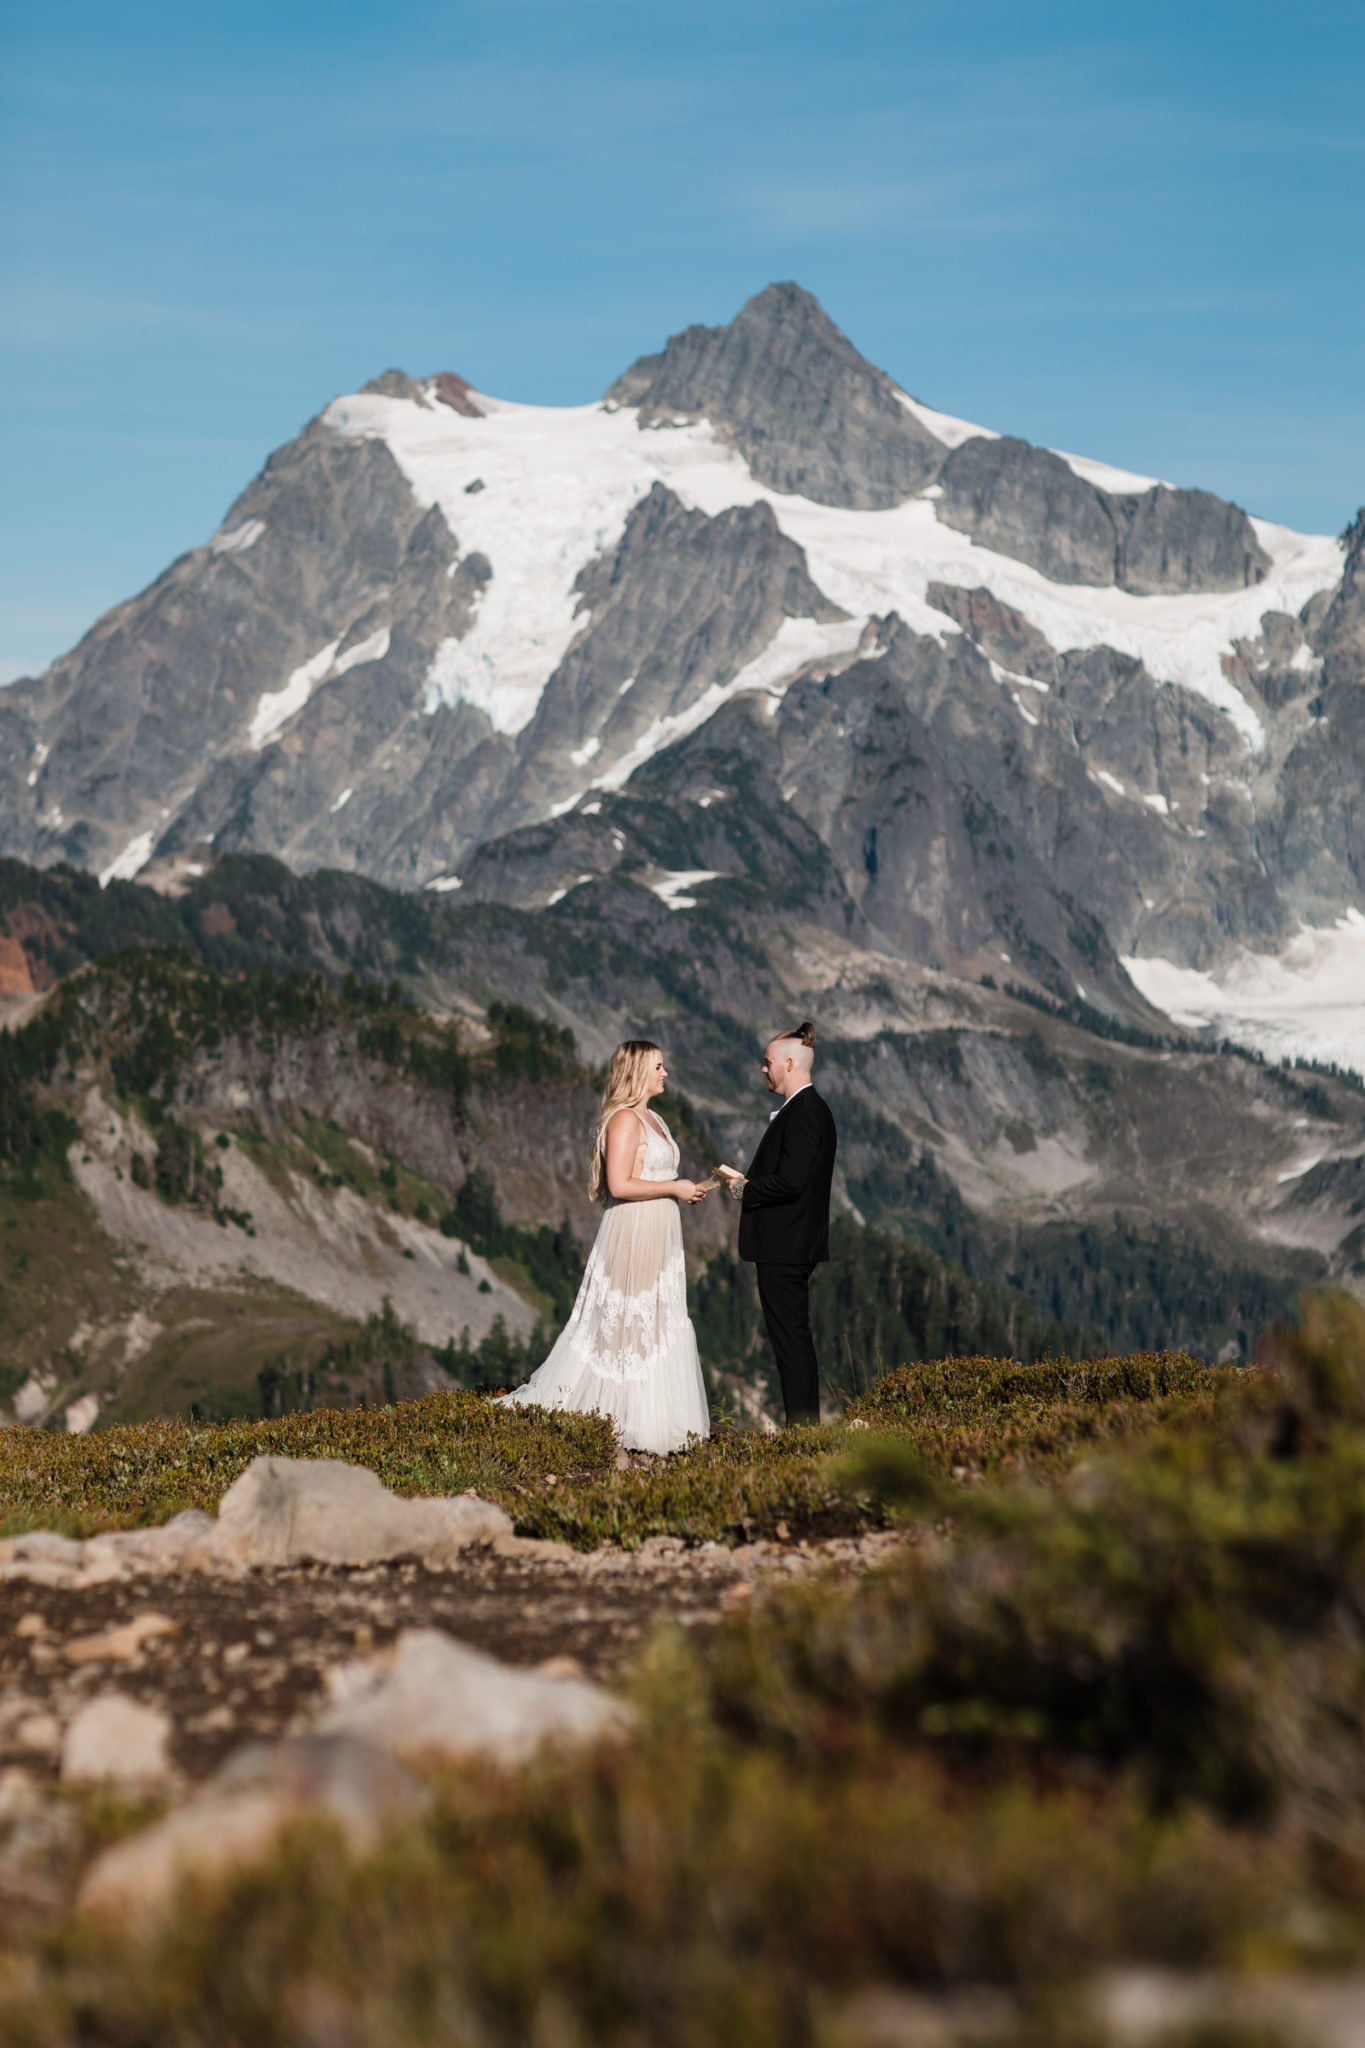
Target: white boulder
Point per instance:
(285, 1511)
(431, 1697)
(281, 1511)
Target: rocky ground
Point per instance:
(228, 1657)
(119, 1679)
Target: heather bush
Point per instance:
(1104, 1710)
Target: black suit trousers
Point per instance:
(784, 1292)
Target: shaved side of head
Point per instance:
(797, 1045)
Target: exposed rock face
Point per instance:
(803, 408)
(326, 550)
(1315, 827)
(1026, 502)
(959, 820)
(677, 608)
(397, 384)
(722, 816)
(313, 795)
(1277, 665)
(1185, 540)
(457, 393)
(1002, 633)
(20, 759)
(1341, 636)
(1022, 501)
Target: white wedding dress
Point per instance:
(628, 1350)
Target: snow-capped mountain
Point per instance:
(1038, 716)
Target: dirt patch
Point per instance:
(242, 1657)
(15, 979)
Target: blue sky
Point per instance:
(1136, 234)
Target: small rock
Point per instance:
(122, 1644)
(545, 1547)
(30, 1624)
(239, 1816)
(562, 1666)
(39, 1571)
(116, 1741)
(429, 1696)
(39, 1732)
(41, 1546)
(286, 1511)
(216, 1721)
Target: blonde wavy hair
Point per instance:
(627, 1079)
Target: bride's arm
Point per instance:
(624, 1146)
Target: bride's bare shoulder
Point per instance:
(623, 1120)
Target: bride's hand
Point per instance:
(688, 1191)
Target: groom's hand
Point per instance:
(736, 1187)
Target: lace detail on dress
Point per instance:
(625, 1336)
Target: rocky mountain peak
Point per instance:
(394, 384)
(445, 388)
(457, 393)
(810, 416)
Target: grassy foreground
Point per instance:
(1109, 1710)
(556, 1473)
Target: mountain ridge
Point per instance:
(437, 617)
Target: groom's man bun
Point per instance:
(801, 1034)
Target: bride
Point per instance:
(628, 1350)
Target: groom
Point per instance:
(784, 1227)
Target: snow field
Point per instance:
(560, 482)
(134, 856)
(275, 708)
(1310, 1000)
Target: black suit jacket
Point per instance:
(784, 1217)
